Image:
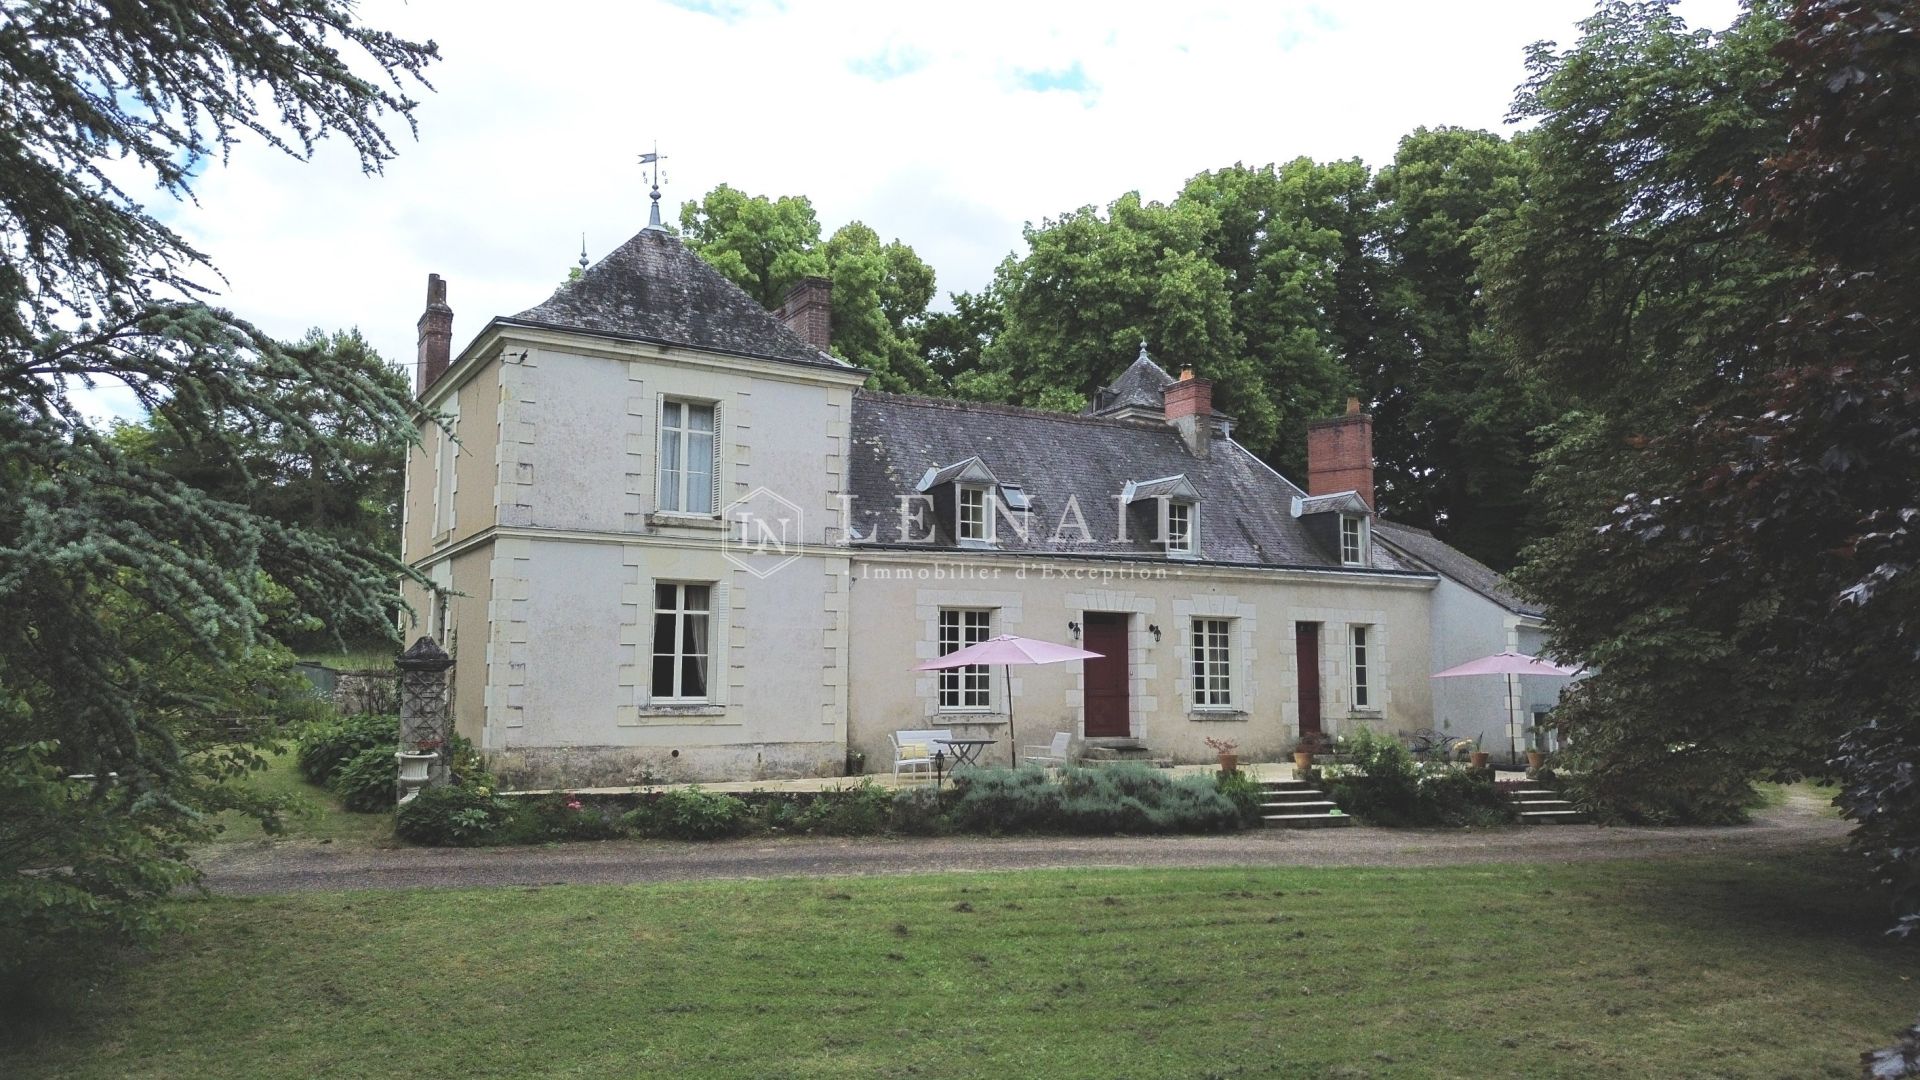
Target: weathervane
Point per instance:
(654, 159)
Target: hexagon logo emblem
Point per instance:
(765, 532)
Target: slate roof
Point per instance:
(1137, 387)
(1244, 514)
(1424, 549)
(654, 288)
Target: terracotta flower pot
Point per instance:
(1535, 759)
(1229, 764)
(1478, 760)
(1302, 761)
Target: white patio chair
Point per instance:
(913, 750)
(1053, 755)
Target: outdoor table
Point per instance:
(966, 751)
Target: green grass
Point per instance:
(360, 658)
(1819, 795)
(1772, 967)
(317, 813)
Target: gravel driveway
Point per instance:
(301, 866)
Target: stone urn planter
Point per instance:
(1302, 760)
(1535, 759)
(1229, 764)
(413, 771)
(1477, 760)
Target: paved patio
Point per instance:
(1259, 770)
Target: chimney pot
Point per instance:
(436, 337)
(808, 311)
(1340, 454)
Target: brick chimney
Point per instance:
(436, 337)
(1340, 454)
(808, 311)
(1189, 407)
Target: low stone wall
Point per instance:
(548, 767)
(371, 690)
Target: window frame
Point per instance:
(1189, 544)
(961, 492)
(966, 689)
(684, 434)
(1359, 537)
(1361, 663)
(1211, 660)
(681, 613)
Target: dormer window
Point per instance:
(1353, 540)
(971, 520)
(1179, 528)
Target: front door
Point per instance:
(1306, 646)
(1106, 678)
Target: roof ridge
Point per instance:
(653, 286)
(964, 405)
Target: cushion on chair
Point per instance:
(913, 750)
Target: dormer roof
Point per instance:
(1344, 502)
(970, 471)
(1167, 487)
(655, 288)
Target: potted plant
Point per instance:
(1229, 761)
(1536, 759)
(1304, 748)
(1476, 757)
(856, 762)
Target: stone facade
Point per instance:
(540, 519)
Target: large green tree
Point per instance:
(1634, 287)
(351, 492)
(1453, 417)
(131, 654)
(1093, 286)
(880, 290)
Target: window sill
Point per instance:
(689, 709)
(685, 521)
(1204, 713)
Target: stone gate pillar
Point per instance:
(424, 719)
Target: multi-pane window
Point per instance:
(1353, 540)
(1179, 528)
(1362, 669)
(686, 457)
(964, 687)
(1212, 663)
(972, 515)
(681, 614)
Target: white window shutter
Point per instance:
(719, 433)
(719, 660)
(659, 433)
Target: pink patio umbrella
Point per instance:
(1008, 650)
(1509, 664)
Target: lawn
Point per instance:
(316, 814)
(1727, 968)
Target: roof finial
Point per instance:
(654, 159)
(583, 251)
(1143, 350)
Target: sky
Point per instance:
(949, 126)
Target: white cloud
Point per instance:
(914, 119)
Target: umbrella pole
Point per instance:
(1013, 744)
(1513, 734)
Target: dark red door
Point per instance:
(1106, 678)
(1306, 645)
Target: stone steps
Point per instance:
(1544, 806)
(1296, 804)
